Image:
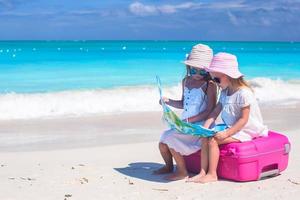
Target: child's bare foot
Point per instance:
(176, 176)
(208, 178)
(163, 170)
(196, 179)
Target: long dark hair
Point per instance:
(207, 78)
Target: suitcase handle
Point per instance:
(228, 152)
(287, 148)
(272, 172)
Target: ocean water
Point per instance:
(56, 78)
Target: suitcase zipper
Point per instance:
(260, 154)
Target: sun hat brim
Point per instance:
(193, 64)
(231, 73)
(225, 63)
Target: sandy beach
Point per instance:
(112, 157)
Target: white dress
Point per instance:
(232, 109)
(194, 102)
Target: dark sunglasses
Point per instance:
(217, 80)
(201, 72)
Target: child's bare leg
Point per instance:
(181, 171)
(214, 153)
(167, 156)
(204, 161)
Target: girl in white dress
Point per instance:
(198, 100)
(239, 110)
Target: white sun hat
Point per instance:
(200, 57)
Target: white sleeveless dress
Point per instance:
(194, 102)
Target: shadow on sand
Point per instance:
(143, 170)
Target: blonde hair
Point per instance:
(240, 82)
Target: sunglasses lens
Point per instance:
(193, 71)
(203, 72)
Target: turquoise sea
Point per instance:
(54, 78)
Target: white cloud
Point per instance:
(138, 8)
(168, 9)
(141, 9)
(174, 8)
(226, 5)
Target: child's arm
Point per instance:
(211, 100)
(175, 103)
(213, 115)
(240, 123)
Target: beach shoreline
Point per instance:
(98, 130)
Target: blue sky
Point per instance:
(245, 20)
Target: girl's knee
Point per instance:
(204, 140)
(212, 142)
(204, 143)
(163, 147)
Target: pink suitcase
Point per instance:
(249, 161)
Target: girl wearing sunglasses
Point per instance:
(198, 100)
(239, 111)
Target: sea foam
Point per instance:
(123, 99)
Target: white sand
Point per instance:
(93, 158)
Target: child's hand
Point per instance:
(221, 135)
(185, 120)
(165, 99)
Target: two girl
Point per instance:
(239, 111)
